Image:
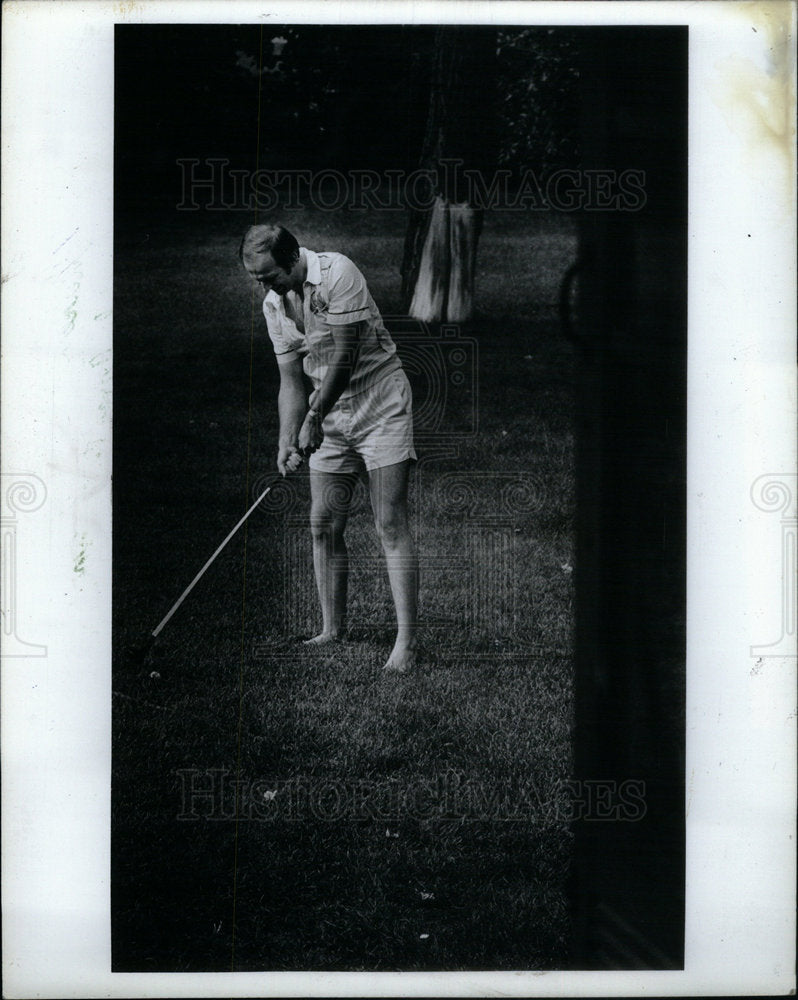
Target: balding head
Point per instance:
(269, 238)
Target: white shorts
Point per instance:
(373, 429)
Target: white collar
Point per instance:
(312, 277)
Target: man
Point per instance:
(322, 319)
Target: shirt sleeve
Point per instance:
(349, 299)
(284, 350)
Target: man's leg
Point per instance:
(331, 497)
(388, 489)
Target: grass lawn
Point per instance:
(278, 809)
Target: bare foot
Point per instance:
(401, 661)
(321, 639)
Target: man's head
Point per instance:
(271, 256)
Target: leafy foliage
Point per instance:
(539, 108)
(354, 97)
(337, 89)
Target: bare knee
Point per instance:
(323, 530)
(327, 527)
(391, 529)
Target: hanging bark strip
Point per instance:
(439, 262)
(444, 288)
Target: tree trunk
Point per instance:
(441, 242)
(444, 287)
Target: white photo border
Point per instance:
(57, 238)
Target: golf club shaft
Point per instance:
(199, 575)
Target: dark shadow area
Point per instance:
(631, 327)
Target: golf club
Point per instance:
(141, 654)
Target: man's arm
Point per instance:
(291, 410)
(339, 373)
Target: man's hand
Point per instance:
(289, 458)
(310, 433)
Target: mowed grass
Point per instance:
(279, 809)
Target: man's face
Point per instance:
(268, 275)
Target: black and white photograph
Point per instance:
(395, 469)
(425, 289)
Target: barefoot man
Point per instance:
(322, 320)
